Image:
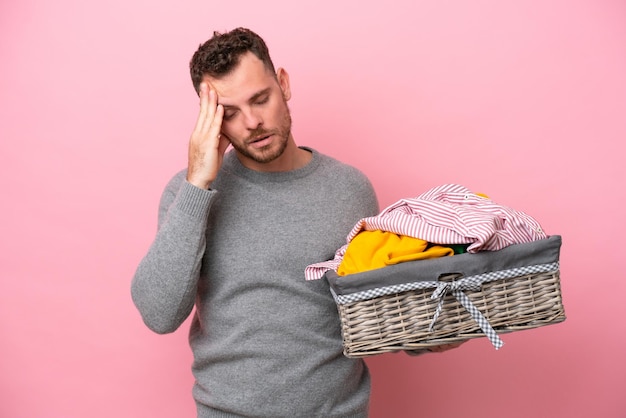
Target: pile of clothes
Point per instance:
(444, 221)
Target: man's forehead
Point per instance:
(240, 85)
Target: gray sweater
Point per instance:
(266, 343)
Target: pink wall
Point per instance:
(525, 101)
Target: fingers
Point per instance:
(204, 106)
(208, 108)
(212, 104)
(216, 118)
(206, 145)
(223, 140)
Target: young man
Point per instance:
(236, 231)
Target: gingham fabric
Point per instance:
(478, 279)
(482, 322)
(472, 283)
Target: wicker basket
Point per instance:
(414, 320)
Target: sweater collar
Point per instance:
(234, 166)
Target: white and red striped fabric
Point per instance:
(447, 214)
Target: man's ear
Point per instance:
(283, 82)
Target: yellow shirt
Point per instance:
(370, 250)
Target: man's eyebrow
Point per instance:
(255, 97)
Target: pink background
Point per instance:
(522, 100)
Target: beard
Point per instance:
(269, 152)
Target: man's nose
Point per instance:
(252, 119)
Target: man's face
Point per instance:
(256, 117)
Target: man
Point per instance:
(236, 231)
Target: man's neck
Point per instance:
(292, 158)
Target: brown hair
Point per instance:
(220, 55)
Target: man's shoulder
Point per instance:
(334, 162)
(351, 183)
(340, 166)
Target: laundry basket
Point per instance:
(416, 305)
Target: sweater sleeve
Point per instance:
(165, 283)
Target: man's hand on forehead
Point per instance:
(206, 145)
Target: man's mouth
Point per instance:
(261, 141)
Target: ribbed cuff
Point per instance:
(193, 200)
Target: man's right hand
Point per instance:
(206, 146)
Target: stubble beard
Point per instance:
(272, 151)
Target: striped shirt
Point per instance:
(447, 214)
